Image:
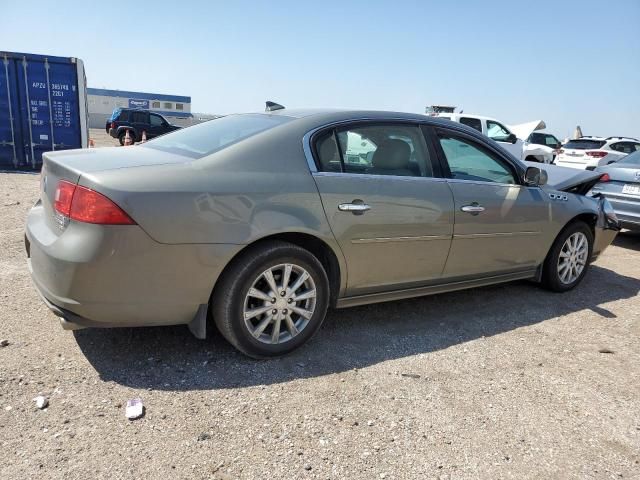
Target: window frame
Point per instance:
(311, 139)
(516, 170)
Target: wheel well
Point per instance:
(316, 247)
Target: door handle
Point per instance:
(357, 207)
(473, 209)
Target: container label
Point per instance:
(44, 137)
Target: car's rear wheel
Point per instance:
(271, 300)
(568, 260)
(122, 136)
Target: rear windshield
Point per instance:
(582, 144)
(631, 159)
(209, 137)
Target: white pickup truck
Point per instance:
(512, 139)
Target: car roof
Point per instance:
(336, 114)
(467, 115)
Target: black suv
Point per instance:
(137, 121)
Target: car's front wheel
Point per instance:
(568, 260)
(271, 300)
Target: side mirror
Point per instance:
(535, 177)
(512, 138)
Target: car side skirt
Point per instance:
(434, 289)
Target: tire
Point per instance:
(554, 274)
(231, 300)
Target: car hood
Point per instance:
(523, 130)
(568, 179)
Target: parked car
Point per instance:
(137, 121)
(491, 128)
(591, 152)
(260, 222)
(620, 184)
(541, 147)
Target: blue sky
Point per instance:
(566, 62)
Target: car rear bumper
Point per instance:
(607, 227)
(117, 276)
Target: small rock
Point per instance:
(134, 409)
(8, 408)
(410, 375)
(370, 423)
(307, 467)
(4, 342)
(203, 436)
(605, 350)
(41, 402)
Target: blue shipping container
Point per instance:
(43, 107)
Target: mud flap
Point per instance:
(198, 326)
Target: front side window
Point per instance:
(396, 150)
(497, 132)
(156, 120)
(469, 161)
(475, 123)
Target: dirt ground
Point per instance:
(501, 382)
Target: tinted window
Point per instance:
(582, 144)
(633, 159)
(544, 139)
(469, 161)
(209, 137)
(140, 117)
(496, 131)
(623, 147)
(156, 120)
(397, 150)
(472, 122)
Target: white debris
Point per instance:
(41, 402)
(134, 409)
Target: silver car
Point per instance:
(620, 184)
(260, 222)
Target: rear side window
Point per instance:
(394, 150)
(475, 123)
(623, 147)
(209, 137)
(582, 144)
(632, 159)
(544, 139)
(140, 117)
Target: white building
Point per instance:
(176, 109)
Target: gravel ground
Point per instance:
(502, 382)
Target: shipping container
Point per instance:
(43, 107)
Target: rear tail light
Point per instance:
(596, 154)
(113, 124)
(605, 177)
(85, 205)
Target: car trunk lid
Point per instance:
(569, 179)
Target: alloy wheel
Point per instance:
(573, 257)
(279, 303)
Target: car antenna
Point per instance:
(272, 106)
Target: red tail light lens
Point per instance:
(85, 205)
(605, 177)
(596, 154)
(63, 197)
(113, 124)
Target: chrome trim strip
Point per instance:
(370, 175)
(432, 289)
(497, 234)
(400, 239)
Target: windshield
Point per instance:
(209, 137)
(631, 159)
(582, 144)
